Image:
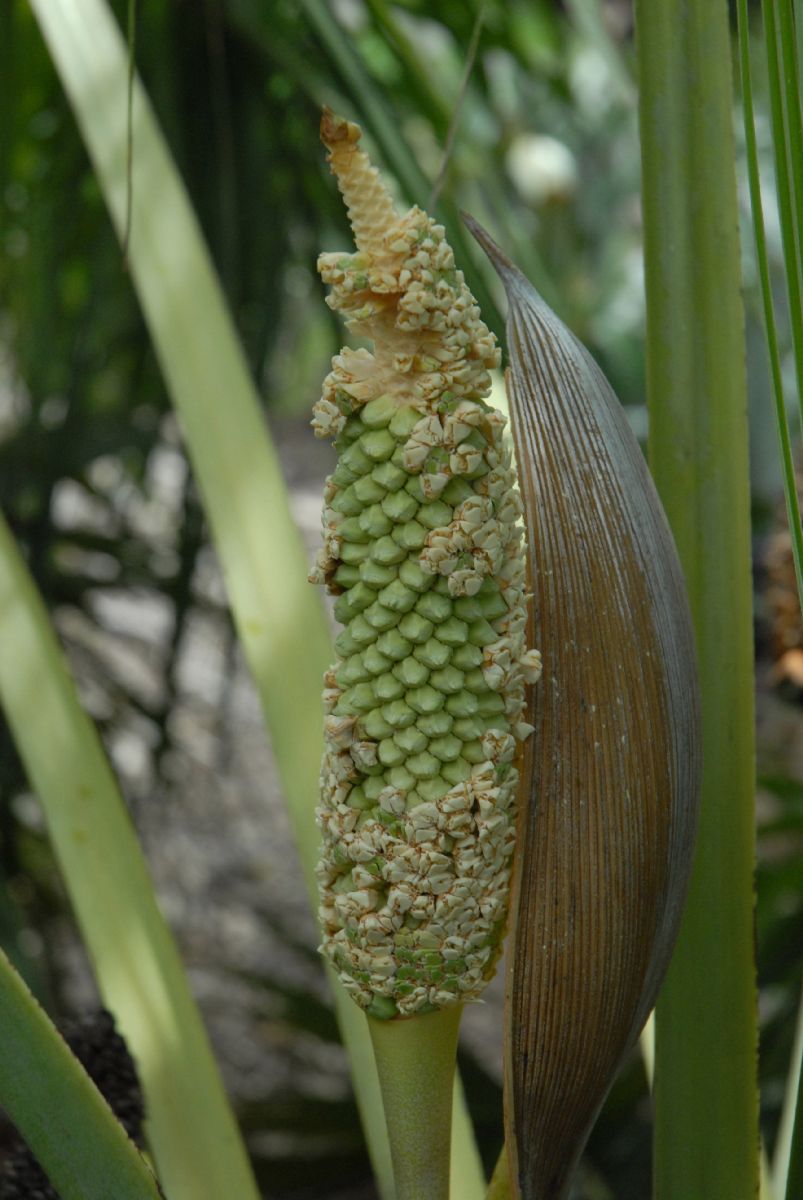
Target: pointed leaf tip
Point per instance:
(512, 278)
(499, 259)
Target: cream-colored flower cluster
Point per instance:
(422, 546)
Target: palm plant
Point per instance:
(706, 1022)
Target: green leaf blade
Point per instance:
(191, 1128)
(787, 138)
(65, 1121)
(706, 1033)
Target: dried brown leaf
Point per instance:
(610, 809)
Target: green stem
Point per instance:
(766, 1189)
(65, 1121)
(794, 1179)
(416, 1062)
(788, 1164)
(787, 143)
(706, 1031)
(757, 209)
(787, 1176)
(467, 1175)
(499, 1187)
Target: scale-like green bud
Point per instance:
(423, 549)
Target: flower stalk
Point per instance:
(415, 1059)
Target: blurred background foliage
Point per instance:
(94, 481)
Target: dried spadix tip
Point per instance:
(609, 808)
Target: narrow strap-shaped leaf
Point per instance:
(190, 1126)
(788, 1167)
(787, 140)
(65, 1121)
(789, 1143)
(757, 209)
(787, 1172)
(794, 1178)
(499, 1187)
(706, 1096)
